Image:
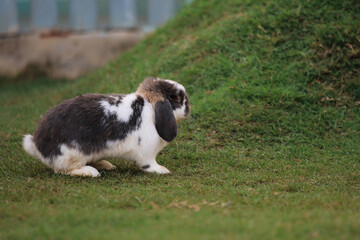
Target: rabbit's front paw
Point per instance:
(155, 168)
(103, 165)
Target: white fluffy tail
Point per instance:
(29, 146)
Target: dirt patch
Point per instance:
(65, 56)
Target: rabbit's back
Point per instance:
(88, 122)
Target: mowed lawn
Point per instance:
(271, 150)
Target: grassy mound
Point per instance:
(270, 151)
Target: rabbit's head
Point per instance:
(170, 104)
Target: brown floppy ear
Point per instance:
(165, 122)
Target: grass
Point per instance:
(271, 150)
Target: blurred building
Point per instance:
(25, 16)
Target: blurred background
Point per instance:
(68, 38)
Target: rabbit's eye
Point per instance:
(174, 98)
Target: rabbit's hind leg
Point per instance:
(73, 163)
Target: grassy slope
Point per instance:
(271, 150)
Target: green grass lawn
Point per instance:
(271, 150)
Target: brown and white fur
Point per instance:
(77, 135)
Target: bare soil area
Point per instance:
(65, 55)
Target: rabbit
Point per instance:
(76, 136)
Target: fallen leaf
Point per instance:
(154, 206)
(226, 204)
(213, 203)
(196, 208)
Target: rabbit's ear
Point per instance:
(165, 122)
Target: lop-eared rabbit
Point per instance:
(77, 135)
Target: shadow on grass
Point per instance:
(124, 171)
